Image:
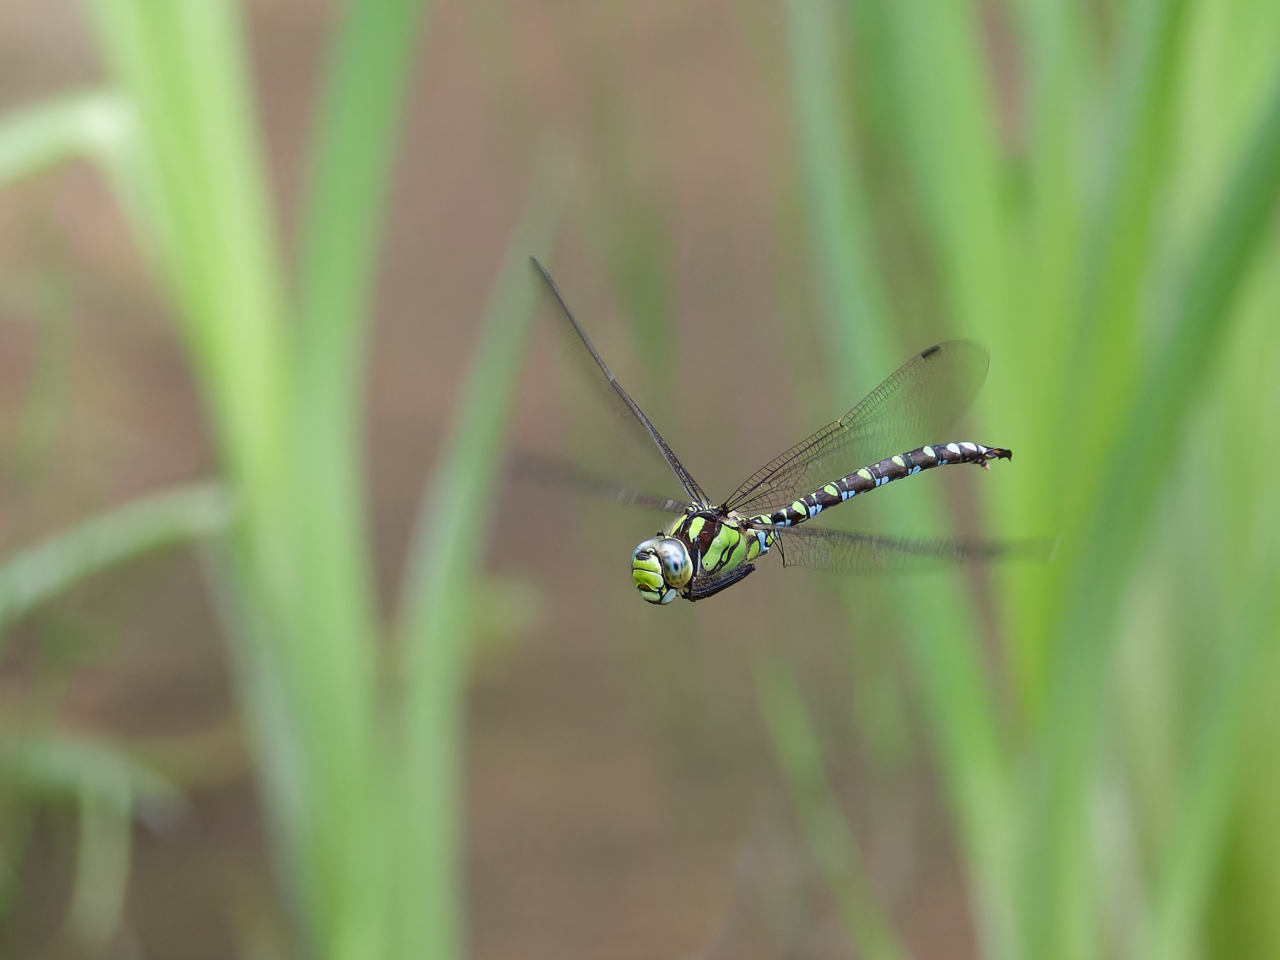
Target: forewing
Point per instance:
(865, 554)
(615, 398)
(916, 405)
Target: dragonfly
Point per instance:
(710, 547)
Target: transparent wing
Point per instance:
(863, 554)
(914, 406)
(527, 467)
(708, 586)
(618, 398)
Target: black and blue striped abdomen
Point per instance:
(877, 474)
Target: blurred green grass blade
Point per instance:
(354, 143)
(102, 869)
(1242, 908)
(1201, 321)
(97, 125)
(267, 700)
(108, 788)
(435, 619)
(354, 146)
(1192, 852)
(957, 694)
(831, 843)
(836, 210)
(1049, 214)
(36, 574)
(183, 67)
(92, 124)
(62, 766)
(1123, 235)
(945, 98)
(968, 745)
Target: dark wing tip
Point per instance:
(977, 352)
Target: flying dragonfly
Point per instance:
(710, 547)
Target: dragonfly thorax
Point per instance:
(702, 543)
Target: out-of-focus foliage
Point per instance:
(1103, 216)
(361, 795)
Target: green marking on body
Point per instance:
(716, 550)
(729, 562)
(720, 551)
(865, 474)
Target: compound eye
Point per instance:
(677, 568)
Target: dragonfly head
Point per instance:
(660, 566)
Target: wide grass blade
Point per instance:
(183, 68)
(351, 165)
(957, 694)
(355, 140)
(1198, 330)
(1122, 238)
(354, 145)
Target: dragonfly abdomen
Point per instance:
(885, 471)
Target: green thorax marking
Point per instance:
(717, 542)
